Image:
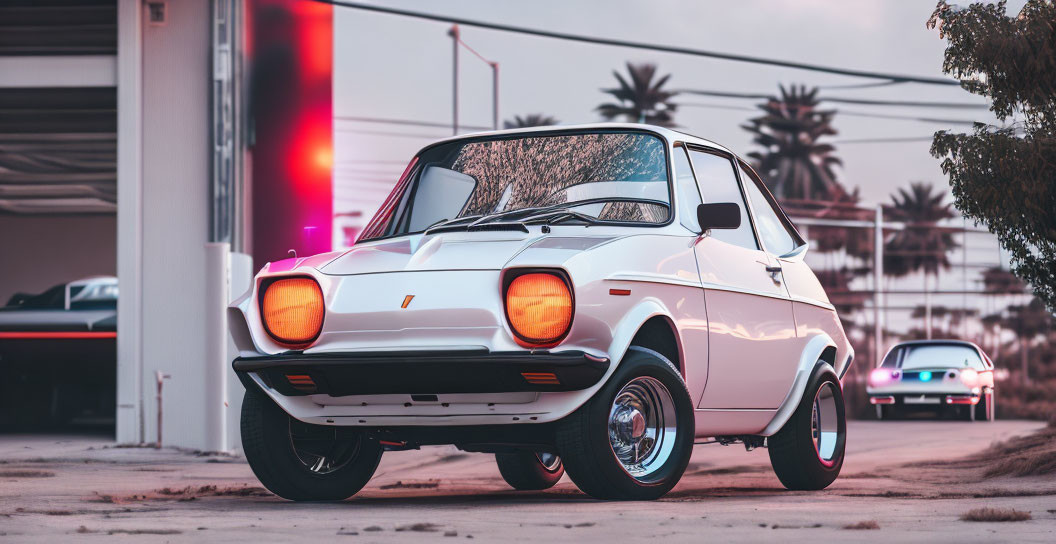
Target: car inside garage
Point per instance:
(58, 214)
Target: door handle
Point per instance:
(775, 273)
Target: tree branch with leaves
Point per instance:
(1005, 177)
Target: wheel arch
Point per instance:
(658, 333)
(648, 324)
(819, 350)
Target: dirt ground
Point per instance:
(897, 474)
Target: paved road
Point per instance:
(77, 488)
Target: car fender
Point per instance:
(809, 359)
(629, 325)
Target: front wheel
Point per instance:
(807, 453)
(530, 471)
(303, 462)
(985, 409)
(634, 438)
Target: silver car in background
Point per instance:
(942, 375)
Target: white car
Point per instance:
(591, 299)
(943, 375)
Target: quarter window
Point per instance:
(718, 183)
(688, 194)
(772, 230)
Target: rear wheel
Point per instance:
(633, 439)
(303, 462)
(530, 471)
(807, 453)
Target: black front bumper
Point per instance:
(423, 372)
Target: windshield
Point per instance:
(914, 356)
(603, 176)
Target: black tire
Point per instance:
(268, 437)
(583, 437)
(793, 452)
(526, 471)
(984, 411)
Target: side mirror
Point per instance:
(719, 215)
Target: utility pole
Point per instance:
(454, 77)
(494, 95)
(878, 278)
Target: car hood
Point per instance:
(445, 251)
(456, 251)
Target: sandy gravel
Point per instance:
(897, 474)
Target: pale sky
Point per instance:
(395, 67)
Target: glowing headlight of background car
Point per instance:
(538, 306)
(292, 310)
(883, 376)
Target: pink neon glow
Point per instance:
(881, 376)
(881, 400)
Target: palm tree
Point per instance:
(794, 162)
(643, 100)
(1027, 321)
(530, 120)
(921, 246)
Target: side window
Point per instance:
(688, 194)
(776, 237)
(718, 183)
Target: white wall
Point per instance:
(41, 251)
(163, 209)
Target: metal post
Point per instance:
(160, 377)
(878, 278)
(454, 77)
(495, 95)
(964, 277)
(927, 307)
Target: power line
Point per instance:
(404, 122)
(860, 101)
(901, 78)
(384, 161)
(885, 140)
(862, 85)
(842, 112)
(397, 134)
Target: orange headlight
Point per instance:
(292, 309)
(539, 308)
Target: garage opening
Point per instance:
(58, 193)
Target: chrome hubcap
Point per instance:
(642, 426)
(323, 449)
(549, 461)
(824, 424)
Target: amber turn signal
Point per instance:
(539, 308)
(292, 309)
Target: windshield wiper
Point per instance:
(557, 216)
(508, 214)
(450, 222)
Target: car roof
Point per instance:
(939, 342)
(669, 134)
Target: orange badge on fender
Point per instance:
(406, 301)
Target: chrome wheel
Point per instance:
(642, 426)
(323, 449)
(550, 461)
(824, 424)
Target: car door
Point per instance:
(751, 329)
